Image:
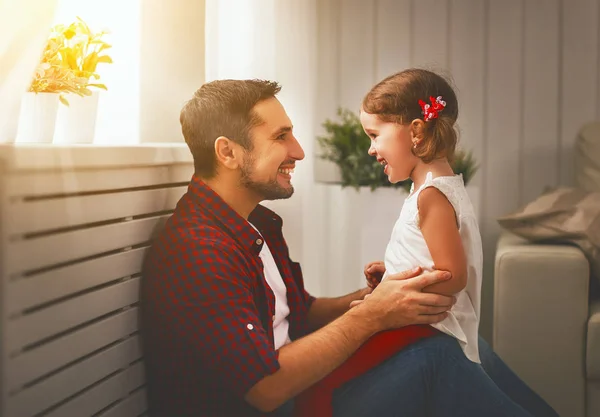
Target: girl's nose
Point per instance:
(371, 150)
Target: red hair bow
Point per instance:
(430, 111)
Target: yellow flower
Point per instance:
(70, 60)
(69, 33)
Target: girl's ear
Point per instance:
(417, 130)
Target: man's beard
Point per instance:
(269, 190)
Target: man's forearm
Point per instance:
(299, 369)
(325, 310)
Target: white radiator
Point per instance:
(75, 225)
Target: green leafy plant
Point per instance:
(345, 144)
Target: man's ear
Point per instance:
(228, 153)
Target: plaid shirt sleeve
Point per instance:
(215, 317)
(308, 299)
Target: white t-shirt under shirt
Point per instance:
(281, 324)
(407, 249)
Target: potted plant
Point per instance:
(360, 209)
(66, 73)
(81, 50)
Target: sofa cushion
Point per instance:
(587, 157)
(561, 215)
(593, 342)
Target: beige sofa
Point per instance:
(546, 327)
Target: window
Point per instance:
(119, 107)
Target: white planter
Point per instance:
(358, 226)
(76, 123)
(37, 118)
(9, 117)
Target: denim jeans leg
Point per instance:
(431, 378)
(511, 384)
(398, 386)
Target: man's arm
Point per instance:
(324, 310)
(328, 309)
(397, 302)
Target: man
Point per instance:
(228, 327)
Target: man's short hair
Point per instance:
(222, 108)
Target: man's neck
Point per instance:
(236, 196)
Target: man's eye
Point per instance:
(281, 137)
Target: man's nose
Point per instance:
(296, 152)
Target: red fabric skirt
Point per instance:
(317, 400)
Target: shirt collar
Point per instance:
(265, 220)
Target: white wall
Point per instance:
(158, 63)
(527, 74)
(171, 65)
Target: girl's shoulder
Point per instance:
(452, 186)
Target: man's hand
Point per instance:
(357, 302)
(374, 273)
(400, 301)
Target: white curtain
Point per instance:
(276, 39)
(24, 27)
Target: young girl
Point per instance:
(410, 119)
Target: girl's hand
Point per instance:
(357, 302)
(374, 273)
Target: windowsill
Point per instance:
(53, 157)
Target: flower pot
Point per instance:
(37, 118)
(76, 123)
(358, 227)
(9, 118)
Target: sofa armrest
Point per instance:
(540, 318)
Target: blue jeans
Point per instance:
(433, 378)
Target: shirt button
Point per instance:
(249, 327)
(273, 317)
(259, 241)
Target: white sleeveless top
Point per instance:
(407, 249)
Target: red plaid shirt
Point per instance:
(207, 309)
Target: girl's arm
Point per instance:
(438, 223)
